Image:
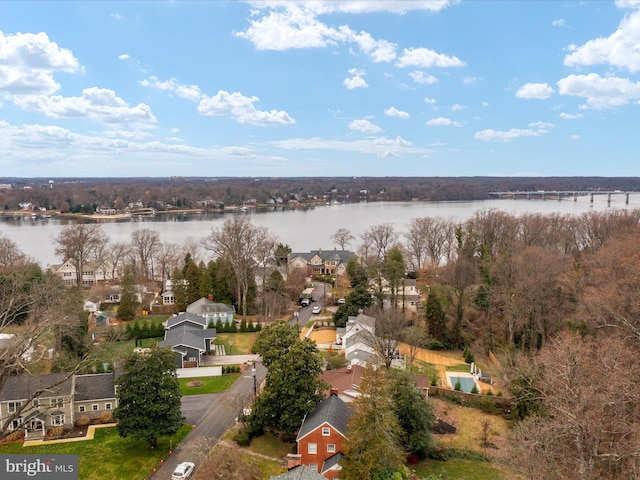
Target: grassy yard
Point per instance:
(108, 456)
(462, 469)
(237, 343)
(209, 384)
(118, 351)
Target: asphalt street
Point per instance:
(213, 415)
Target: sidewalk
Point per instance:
(91, 430)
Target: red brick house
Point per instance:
(322, 435)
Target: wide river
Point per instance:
(302, 230)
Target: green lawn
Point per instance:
(237, 343)
(108, 456)
(118, 351)
(209, 384)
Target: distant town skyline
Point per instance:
(319, 88)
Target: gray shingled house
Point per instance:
(37, 403)
(188, 336)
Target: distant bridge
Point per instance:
(562, 194)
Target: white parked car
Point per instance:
(183, 471)
(316, 309)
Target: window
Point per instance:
(56, 402)
(331, 448)
(326, 431)
(14, 406)
(94, 407)
(57, 420)
(312, 448)
(35, 403)
(15, 423)
(82, 408)
(107, 406)
(314, 466)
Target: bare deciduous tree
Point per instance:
(238, 240)
(80, 244)
(589, 423)
(342, 237)
(145, 243)
(10, 255)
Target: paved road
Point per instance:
(214, 414)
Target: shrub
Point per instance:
(335, 361)
(106, 417)
(55, 431)
(474, 390)
(83, 421)
(457, 386)
(468, 355)
(434, 344)
(242, 438)
(434, 381)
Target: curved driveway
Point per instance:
(213, 414)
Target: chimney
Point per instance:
(333, 391)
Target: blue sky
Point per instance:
(319, 88)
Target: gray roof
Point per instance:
(187, 335)
(342, 255)
(331, 462)
(204, 306)
(301, 472)
(332, 411)
(187, 317)
(96, 387)
(25, 386)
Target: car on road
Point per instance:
(183, 471)
(341, 301)
(316, 309)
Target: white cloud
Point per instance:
(28, 62)
(543, 127)
(356, 80)
(628, 3)
(124, 56)
(394, 112)
(570, 116)
(443, 122)
(505, 136)
(620, 49)
(364, 126)
(188, 92)
(378, 50)
(242, 109)
(426, 58)
(559, 23)
(98, 104)
(538, 91)
(422, 78)
(429, 101)
(116, 16)
(471, 80)
(380, 146)
(574, 137)
(537, 129)
(457, 107)
(600, 92)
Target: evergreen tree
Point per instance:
(149, 396)
(292, 389)
(274, 341)
(414, 414)
(435, 318)
(372, 449)
(128, 299)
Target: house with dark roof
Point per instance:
(320, 262)
(36, 403)
(189, 338)
(321, 436)
(301, 472)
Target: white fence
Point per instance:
(199, 372)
